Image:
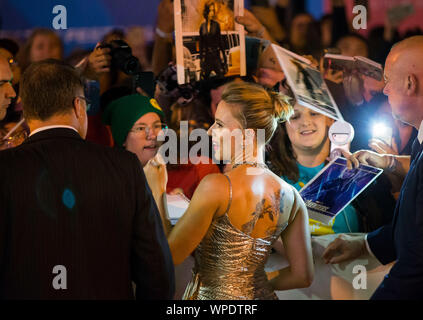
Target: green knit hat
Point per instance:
(121, 114)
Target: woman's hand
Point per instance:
(156, 174)
(251, 24)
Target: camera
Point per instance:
(122, 57)
(168, 84)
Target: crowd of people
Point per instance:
(84, 184)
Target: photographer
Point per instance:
(114, 67)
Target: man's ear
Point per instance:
(78, 108)
(412, 85)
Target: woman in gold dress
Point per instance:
(233, 219)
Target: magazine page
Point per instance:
(334, 187)
(339, 62)
(363, 65)
(369, 68)
(209, 43)
(307, 83)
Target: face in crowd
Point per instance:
(45, 46)
(299, 28)
(14, 67)
(353, 46)
(142, 138)
(6, 90)
(307, 130)
(403, 80)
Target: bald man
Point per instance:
(402, 240)
(6, 89)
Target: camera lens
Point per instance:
(131, 66)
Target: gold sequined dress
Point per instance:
(229, 264)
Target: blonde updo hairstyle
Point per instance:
(256, 108)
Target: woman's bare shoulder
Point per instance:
(212, 182)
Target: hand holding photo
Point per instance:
(209, 42)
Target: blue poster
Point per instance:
(86, 21)
(333, 188)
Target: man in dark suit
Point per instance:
(402, 240)
(77, 220)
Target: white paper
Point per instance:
(176, 206)
(308, 86)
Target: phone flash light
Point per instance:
(383, 132)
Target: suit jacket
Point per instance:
(402, 240)
(67, 202)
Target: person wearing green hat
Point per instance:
(135, 121)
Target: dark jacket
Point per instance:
(67, 202)
(402, 240)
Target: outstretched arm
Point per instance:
(397, 166)
(193, 225)
(163, 41)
